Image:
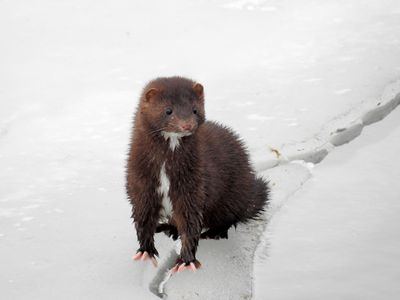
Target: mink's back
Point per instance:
(229, 181)
(222, 147)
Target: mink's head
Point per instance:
(172, 105)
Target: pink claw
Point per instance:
(192, 267)
(181, 268)
(145, 255)
(137, 256)
(174, 269)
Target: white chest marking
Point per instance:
(163, 190)
(174, 138)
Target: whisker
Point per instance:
(156, 131)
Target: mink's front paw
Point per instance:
(147, 254)
(182, 265)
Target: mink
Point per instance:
(186, 176)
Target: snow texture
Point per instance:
(338, 237)
(295, 78)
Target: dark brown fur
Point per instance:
(212, 184)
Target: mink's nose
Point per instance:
(187, 126)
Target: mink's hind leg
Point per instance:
(169, 230)
(216, 233)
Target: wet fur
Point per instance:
(212, 184)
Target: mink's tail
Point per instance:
(260, 199)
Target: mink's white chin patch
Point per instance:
(174, 138)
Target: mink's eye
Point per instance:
(168, 111)
(194, 111)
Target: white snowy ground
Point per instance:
(299, 76)
(338, 236)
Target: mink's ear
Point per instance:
(151, 93)
(199, 90)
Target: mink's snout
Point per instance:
(186, 126)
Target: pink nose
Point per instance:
(187, 126)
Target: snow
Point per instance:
(294, 78)
(337, 237)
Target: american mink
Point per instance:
(188, 177)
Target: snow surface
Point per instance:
(297, 76)
(338, 236)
